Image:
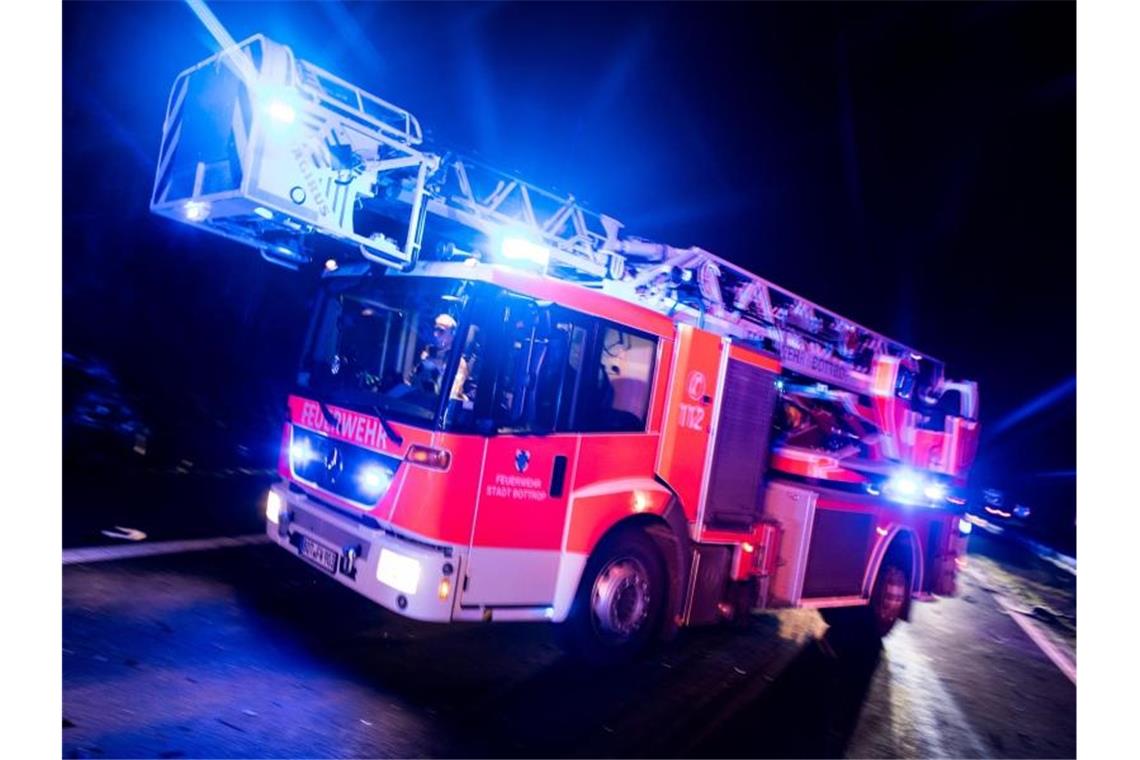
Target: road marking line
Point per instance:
(934, 724)
(130, 551)
(1041, 639)
(127, 534)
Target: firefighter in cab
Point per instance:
(432, 362)
(433, 359)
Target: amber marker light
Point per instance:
(437, 459)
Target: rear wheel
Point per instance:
(620, 600)
(874, 621)
(888, 598)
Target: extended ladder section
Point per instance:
(711, 292)
(274, 152)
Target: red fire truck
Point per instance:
(508, 410)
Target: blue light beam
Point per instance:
(238, 61)
(1035, 406)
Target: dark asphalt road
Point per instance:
(160, 501)
(250, 653)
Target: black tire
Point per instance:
(742, 597)
(618, 609)
(873, 621)
(889, 597)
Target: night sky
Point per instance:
(911, 166)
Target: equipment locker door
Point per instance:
(689, 414)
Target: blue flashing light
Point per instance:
(373, 480)
(196, 211)
(904, 485)
(281, 111)
(281, 104)
(302, 453)
(934, 491)
(526, 251)
(909, 487)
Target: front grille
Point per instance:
(340, 468)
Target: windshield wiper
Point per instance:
(388, 429)
(329, 416)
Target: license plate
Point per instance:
(319, 554)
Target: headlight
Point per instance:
(398, 571)
(273, 506)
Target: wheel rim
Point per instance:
(892, 597)
(620, 598)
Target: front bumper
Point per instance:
(359, 548)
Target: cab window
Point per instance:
(563, 371)
(614, 396)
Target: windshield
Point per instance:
(394, 345)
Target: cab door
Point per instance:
(528, 467)
(519, 520)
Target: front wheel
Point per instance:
(620, 600)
